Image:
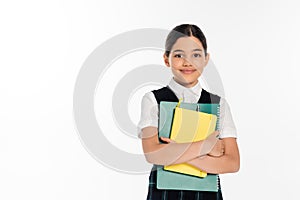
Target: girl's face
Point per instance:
(187, 60)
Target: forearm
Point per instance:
(174, 153)
(216, 165)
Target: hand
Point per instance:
(209, 143)
(218, 149)
(167, 140)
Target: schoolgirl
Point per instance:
(186, 55)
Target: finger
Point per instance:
(213, 138)
(217, 134)
(168, 140)
(163, 139)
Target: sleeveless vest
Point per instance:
(166, 94)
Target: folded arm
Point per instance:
(229, 162)
(173, 153)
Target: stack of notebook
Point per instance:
(186, 122)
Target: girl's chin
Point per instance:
(189, 78)
(187, 82)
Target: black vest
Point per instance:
(166, 94)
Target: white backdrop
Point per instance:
(43, 44)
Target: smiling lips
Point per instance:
(187, 71)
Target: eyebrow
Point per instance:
(179, 50)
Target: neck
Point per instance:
(185, 84)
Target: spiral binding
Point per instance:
(218, 129)
(218, 118)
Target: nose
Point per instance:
(186, 63)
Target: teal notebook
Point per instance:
(177, 181)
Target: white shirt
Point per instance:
(150, 108)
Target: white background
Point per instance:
(254, 44)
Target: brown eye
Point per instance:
(178, 55)
(197, 55)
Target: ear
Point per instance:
(206, 58)
(166, 60)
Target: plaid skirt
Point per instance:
(158, 194)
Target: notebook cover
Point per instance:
(178, 181)
(190, 126)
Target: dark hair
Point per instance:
(184, 30)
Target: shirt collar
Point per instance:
(180, 89)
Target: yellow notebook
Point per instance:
(190, 126)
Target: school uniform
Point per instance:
(149, 117)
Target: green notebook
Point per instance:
(177, 181)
